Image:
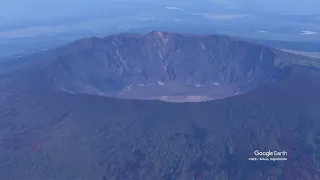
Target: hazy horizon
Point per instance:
(44, 24)
(23, 11)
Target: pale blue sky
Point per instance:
(61, 15)
(28, 10)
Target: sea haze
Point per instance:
(241, 19)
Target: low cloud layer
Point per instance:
(260, 31)
(220, 16)
(174, 8)
(309, 32)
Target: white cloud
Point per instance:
(178, 20)
(174, 8)
(309, 32)
(261, 31)
(220, 16)
(146, 19)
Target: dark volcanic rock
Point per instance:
(58, 135)
(47, 131)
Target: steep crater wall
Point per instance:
(162, 64)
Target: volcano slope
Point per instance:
(161, 65)
(53, 126)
